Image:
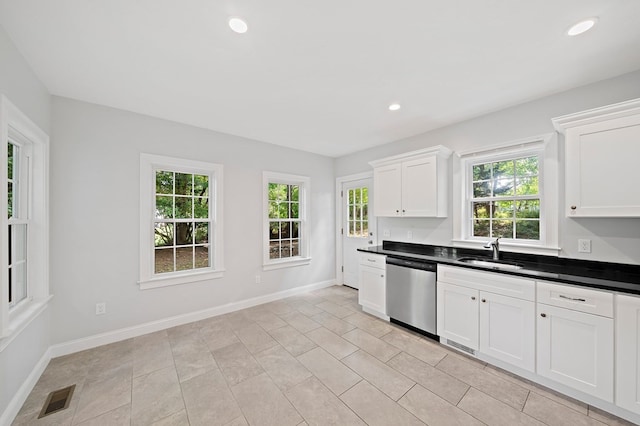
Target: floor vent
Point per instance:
(461, 347)
(57, 401)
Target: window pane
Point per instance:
(295, 226)
(201, 208)
(365, 212)
(163, 260)
(164, 182)
(184, 206)
(528, 229)
(502, 229)
(163, 234)
(358, 230)
(503, 209)
(202, 257)
(295, 193)
(352, 196)
(481, 210)
(295, 210)
(9, 160)
(527, 166)
(273, 191)
(503, 169)
(503, 187)
(528, 209)
(481, 172)
(365, 195)
(9, 200)
(365, 228)
(200, 185)
(274, 230)
(164, 207)
(481, 189)
(295, 248)
(283, 210)
(184, 258)
(184, 184)
(273, 210)
(18, 243)
(285, 228)
(18, 282)
(285, 248)
(481, 228)
(184, 233)
(202, 232)
(282, 192)
(274, 250)
(357, 199)
(527, 186)
(358, 213)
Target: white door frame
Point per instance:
(339, 249)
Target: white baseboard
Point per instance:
(22, 394)
(150, 327)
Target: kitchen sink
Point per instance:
(486, 263)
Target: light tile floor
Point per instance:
(311, 359)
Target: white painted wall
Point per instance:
(22, 88)
(95, 218)
(614, 240)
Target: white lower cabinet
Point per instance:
(628, 353)
(372, 295)
(575, 348)
(496, 325)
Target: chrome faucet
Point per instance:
(495, 246)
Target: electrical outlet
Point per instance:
(584, 246)
(101, 308)
(258, 279)
(386, 233)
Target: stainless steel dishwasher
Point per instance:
(411, 295)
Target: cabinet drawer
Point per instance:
(576, 298)
(373, 260)
(493, 282)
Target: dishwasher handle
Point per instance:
(412, 264)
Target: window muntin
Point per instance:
(284, 220)
(505, 198)
(181, 225)
(357, 212)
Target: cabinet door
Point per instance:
(458, 314)
(420, 187)
(628, 353)
(576, 349)
(387, 181)
(602, 168)
(507, 329)
(372, 292)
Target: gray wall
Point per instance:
(615, 240)
(21, 86)
(95, 218)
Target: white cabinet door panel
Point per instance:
(628, 353)
(372, 292)
(458, 314)
(419, 187)
(387, 181)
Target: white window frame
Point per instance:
(34, 144)
(546, 148)
(304, 183)
(149, 163)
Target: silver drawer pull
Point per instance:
(575, 299)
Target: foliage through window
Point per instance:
(284, 220)
(181, 226)
(505, 199)
(358, 218)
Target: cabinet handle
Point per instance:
(573, 207)
(397, 211)
(543, 315)
(575, 299)
(484, 300)
(381, 276)
(371, 260)
(473, 298)
(403, 210)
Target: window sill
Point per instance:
(192, 277)
(299, 261)
(512, 247)
(22, 318)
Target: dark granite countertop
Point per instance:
(602, 275)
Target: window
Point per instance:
(509, 192)
(24, 286)
(285, 201)
(505, 199)
(181, 224)
(357, 212)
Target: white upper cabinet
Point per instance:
(412, 184)
(602, 150)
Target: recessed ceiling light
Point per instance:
(394, 107)
(238, 25)
(582, 26)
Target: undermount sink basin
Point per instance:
(489, 263)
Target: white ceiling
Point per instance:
(319, 75)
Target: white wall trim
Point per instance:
(339, 249)
(27, 386)
(153, 326)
